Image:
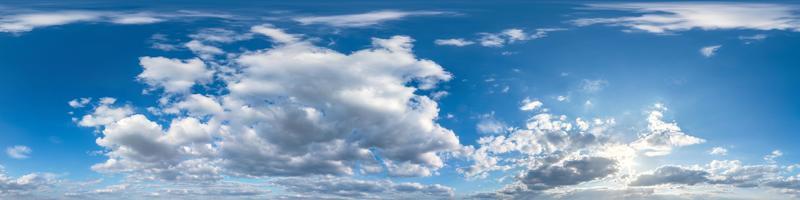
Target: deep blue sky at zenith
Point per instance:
(723, 72)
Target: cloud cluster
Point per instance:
(554, 153)
(24, 185)
(665, 17)
(18, 151)
(293, 109)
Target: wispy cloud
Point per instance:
(362, 19)
(682, 16)
(27, 21)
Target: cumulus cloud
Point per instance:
(709, 51)
(545, 140)
(293, 109)
(530, 105)
(18, 152)
(173, 75)
(459, 42)
(79, 103)
(362, 19)
(661, 137)
(664, 17)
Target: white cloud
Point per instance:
(770, 158)
(173, 75)
(27, 21)
(293, 109)
(661, 137)
(79, 103)
(530, 105)
(664, 17)
(459, 42)
(276, 34)
(512, 35)
(105, 113)
(205, 51)
(18, 152)
(24, 186)
(718, 151)
(362, 19)
(709, 51)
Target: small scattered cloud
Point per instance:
(749, 39)
(459, 42)
(709, 51)
(530, 105)
(770, 158)
(718, 151)
(19, 152)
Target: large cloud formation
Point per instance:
(290, 110)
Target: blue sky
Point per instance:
(379, 100)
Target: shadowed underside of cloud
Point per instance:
(665, 17)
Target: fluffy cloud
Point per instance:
(530, 105)
(291, 110)
(347, 188)
(24, 185)
(709, 50)
(362, 19)
(173, 75)
(682, 16)
(18, 152)
(105, 113)
(546, 141)
(661, 136)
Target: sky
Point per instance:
(399, 100)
